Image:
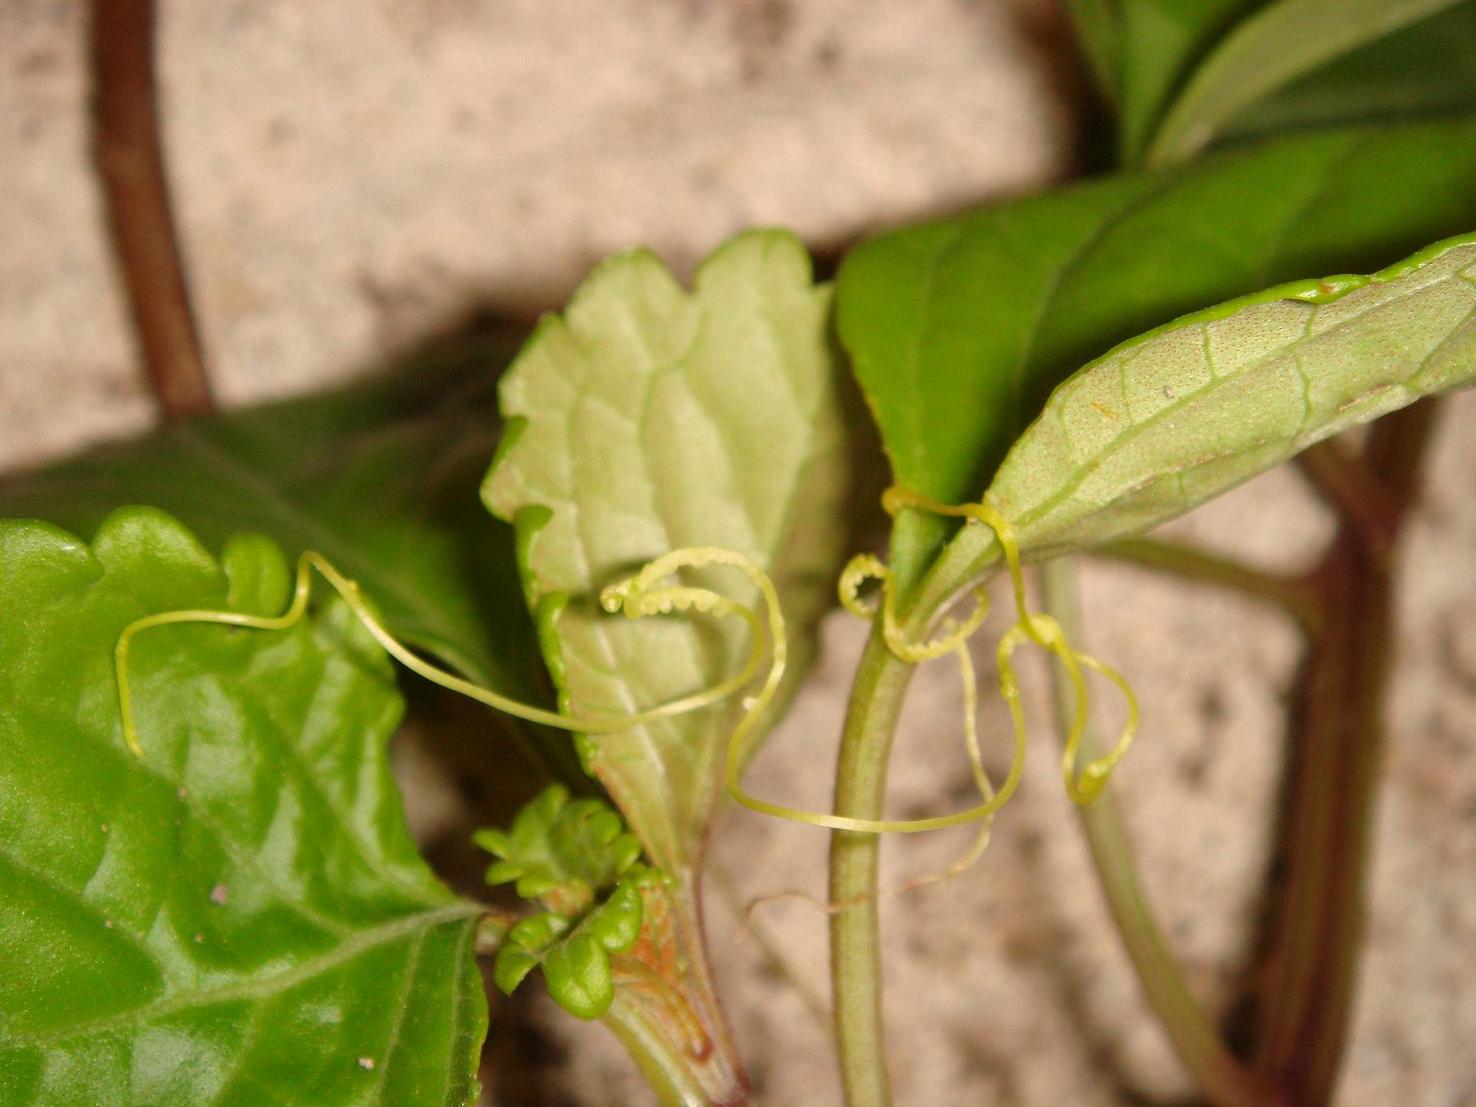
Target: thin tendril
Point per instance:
(954, 639)
(643, 595)
(864, 567)
(1086, 783)
(963, 862)
(616, 598)
(640, 597)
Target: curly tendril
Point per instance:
(650, 601)
(1083, 783)
(646, 594)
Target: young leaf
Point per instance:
(239, 916)
(959, 330)
(1168, 420)
(646, 419)
(1282, 41)
(1159, 43)
(576, 963)
(561, 853)
(1427, 69)
(379, 476)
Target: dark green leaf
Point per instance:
(959, 330)
(1284, 40)
(380, 477)
(239, 917)
(1426, 69)
(1160, 43)
(1099, 30)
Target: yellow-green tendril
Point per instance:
(953, 640)
(864, 567)
(627, 596)
(1085, 784)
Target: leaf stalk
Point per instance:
(1297, 596)
(1223, 1079)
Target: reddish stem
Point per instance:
(130, 163)
(1316, 936)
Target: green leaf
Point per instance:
(238, 917)
(576, 963)
(514, 961)
(960, 329)
(1099, 29)
(1159, 44)
(561, 853)
(1429, 68)
(380, 477)
(646, 419)
(565, 855)
(1169, 420)
(579, 977)
(1277, 44)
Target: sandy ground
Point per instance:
(352, 176)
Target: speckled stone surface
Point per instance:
(353, 175)
(350, 175)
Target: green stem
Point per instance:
(855, 954)
(1222, 1079)
(1294, 595)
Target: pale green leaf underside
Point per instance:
(1169, 420)
(1268, 50)
(959, 330)
(239, 917)
(646, 419)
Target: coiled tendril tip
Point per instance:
(645, 594)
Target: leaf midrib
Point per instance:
(260, 987)
(1083, 472)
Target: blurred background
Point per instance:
(356, 179)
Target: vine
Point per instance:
(644, 595)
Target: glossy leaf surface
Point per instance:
(561, 852)
(1284, 40)
(239, 917)
(647, 419)
(381, 477)
(960, 329)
